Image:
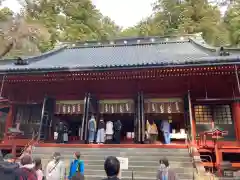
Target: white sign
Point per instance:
(123, 163)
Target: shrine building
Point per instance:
(180, 79)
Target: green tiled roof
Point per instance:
(134, 52)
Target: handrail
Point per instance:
(189, 145)
(206, 160)
(29, 142)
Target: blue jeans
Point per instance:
(91, 135)
(167, 138)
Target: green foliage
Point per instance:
(42, 23)
(176, 17)
(72, 20)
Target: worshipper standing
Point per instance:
(76, 166)
(8, 167)
(165, 127)
(91, 129)
(117, 127)
(26, 170)
(165, 172)
(38, 168)
(112, 168)
(109, 132)
(153, 133)
(147, 132)
(60, 132)
(55, 169)
(65, 134)
(101, 132)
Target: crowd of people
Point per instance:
(31, 169)
(103, 133)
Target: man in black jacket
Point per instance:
(8, 168)
(117, 127)
(112, 168)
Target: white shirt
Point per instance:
(109, 128)
(57, 171)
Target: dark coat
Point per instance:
(8, 170)
(26, 173)
(171, 175)
(117, 126)
(101, 125)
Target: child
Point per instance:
(76, 166)
(38, 168)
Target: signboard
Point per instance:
(69, 107)
(164, 106)
(123, 163)
(116, 106)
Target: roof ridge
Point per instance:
(203, 46)
(127, 45)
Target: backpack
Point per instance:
(79, 166)
(28, 174)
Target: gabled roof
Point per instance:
(124, 53)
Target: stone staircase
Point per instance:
(143, 162)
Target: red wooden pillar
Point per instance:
(9, 120)
(193, 127)
(236, 118)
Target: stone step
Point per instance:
(111, 152)
(96, 177)
(143, 162)
(136, 174)
(115, 149)
(130, 157)
(146, 168)
(139, 167)
(135, 163)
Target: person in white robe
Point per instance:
(109, 131)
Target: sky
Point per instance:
(125, 13)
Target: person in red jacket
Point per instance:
(27, 170)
